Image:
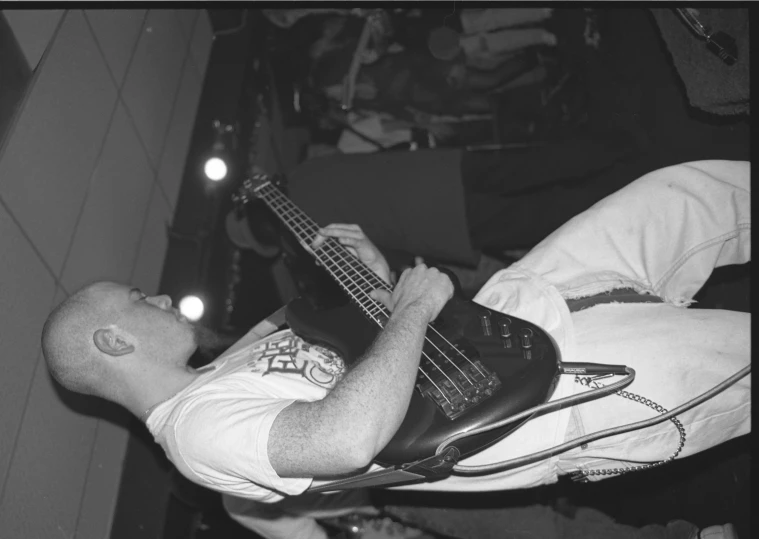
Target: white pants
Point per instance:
(662, 234)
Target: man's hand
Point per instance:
(422, 287)
(345, 430)
(354, 239)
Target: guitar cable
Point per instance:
(575, 368)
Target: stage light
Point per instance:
(218, 160)
(191, 308)
(215, 169)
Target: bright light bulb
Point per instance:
(215, 169)
(191, 307)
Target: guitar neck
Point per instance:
(353, 276)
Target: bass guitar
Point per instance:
(478, 365)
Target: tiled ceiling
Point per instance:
(89, 178)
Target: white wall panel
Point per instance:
(202, 41)
(43, 489)
(106, 240)
(153, 77)
(170, 172)
(33, 28)
(187, 18)
(117, 31)
(101, 489)
(47, 162)
(79, 199)
(149, 264)
(26, 290)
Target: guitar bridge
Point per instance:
(457, 392)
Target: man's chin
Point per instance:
(207, 341)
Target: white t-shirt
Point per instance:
(216, 430)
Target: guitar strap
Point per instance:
(434, 467)
(269, 325)
(264, 328)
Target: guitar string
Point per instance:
(292, 227)
(351, 262)
(365, 273)
(373, 281)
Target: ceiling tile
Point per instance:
(42, 471)
(117, 31)
(152, 252)
(101, 490)
(175, 156)
(33, 28)
(46, 165)
(26, 291)
(153, 78)
(106, 240)
(187, 18)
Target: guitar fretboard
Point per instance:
(351, 274)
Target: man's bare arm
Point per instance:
(345, 431)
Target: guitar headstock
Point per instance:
(247, 191)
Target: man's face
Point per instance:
(159, 331)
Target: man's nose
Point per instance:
(164, 301)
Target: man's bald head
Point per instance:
(105, 339)
(67, 343)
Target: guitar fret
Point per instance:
(351, 274)
(446, 379)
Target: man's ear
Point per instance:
(109, 342)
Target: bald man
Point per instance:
(271, 417)
(86, 334)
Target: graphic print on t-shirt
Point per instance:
(291, 355)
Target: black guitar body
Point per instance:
(525, 364)
(478, 366)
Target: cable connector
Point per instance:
(579, 476)
(591, 369)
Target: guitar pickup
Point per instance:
(454, 399)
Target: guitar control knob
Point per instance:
(526, 336)
(487, 329)
(505, 328)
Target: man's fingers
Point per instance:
(348, 242)
(318, 241)
(352, 251)
(344, 237)
(406, 275)
(346, 226)
(343, 231)
(340, 227)
(383, 296)
(418, 260)
(341, 235)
